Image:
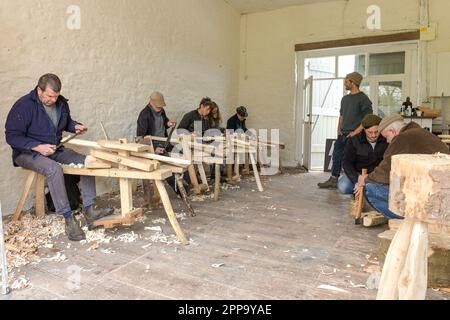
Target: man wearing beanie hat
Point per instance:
(364, 151)
(403, 139)
(354, 107)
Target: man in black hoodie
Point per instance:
(364, 151)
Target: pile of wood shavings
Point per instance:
(23, 240)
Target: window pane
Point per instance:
(365, 87)
(320, 68)
(389, 98)
(352, 63)
(387, 63)
(327, 95)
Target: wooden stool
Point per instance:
(419, 192)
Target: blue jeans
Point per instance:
(338, 155)
(378, 196)
(345, 185)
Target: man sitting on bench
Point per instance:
(34, 130)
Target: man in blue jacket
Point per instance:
(237, 122)
(34, 129)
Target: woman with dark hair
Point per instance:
(215, 118)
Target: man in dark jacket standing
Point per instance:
(364, 151)
(403, 139)
(153, 121)
(237, 122)
(354, 107)
(34, 129)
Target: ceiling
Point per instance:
(251, 6)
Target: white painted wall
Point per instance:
(125, 49)
(267, 73)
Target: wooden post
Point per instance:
(395, 261)
(126, 192)
(202, 172)
(183, 193)
(170, 214)
(414, 277)
(40, 196)
(23, 197)
(255, 172)
(217, 182)
(191, 169)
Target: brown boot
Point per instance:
(331, 183)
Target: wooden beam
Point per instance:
(170, 160)
(85, 143)
(217, 182)
(126, 188)
(159, 174)
(396, 37)
(131, 147)
(129, 161)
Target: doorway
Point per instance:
(390, 75)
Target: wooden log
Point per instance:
(23, 198)
(125, 160)
(419, 187)
(40, 196)
(170, 214)
(374, 219)
(85, 143)
(117, 145)
(395, 261)
(117, 173)
(433, 229)
(413, 279)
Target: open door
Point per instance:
(307, 122)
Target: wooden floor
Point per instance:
(283, 243)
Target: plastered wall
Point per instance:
(124, 49)
(267, 73)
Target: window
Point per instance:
(351, 63)
(387, 63)
(320, 68)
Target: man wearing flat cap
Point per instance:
(354, 107)
(403, 139)
(364, 151)
(237, 122)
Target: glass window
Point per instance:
(365, 87)
(389, 98)
(387, 63)
(327, 95)
(351, 63)
(320, 68)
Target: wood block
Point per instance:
(129, 161)
(420, 187)
(131, 147)
(114, 220)
(170, 160)
(94, 163)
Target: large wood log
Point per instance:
(420, 187)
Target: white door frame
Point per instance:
(411, 82)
